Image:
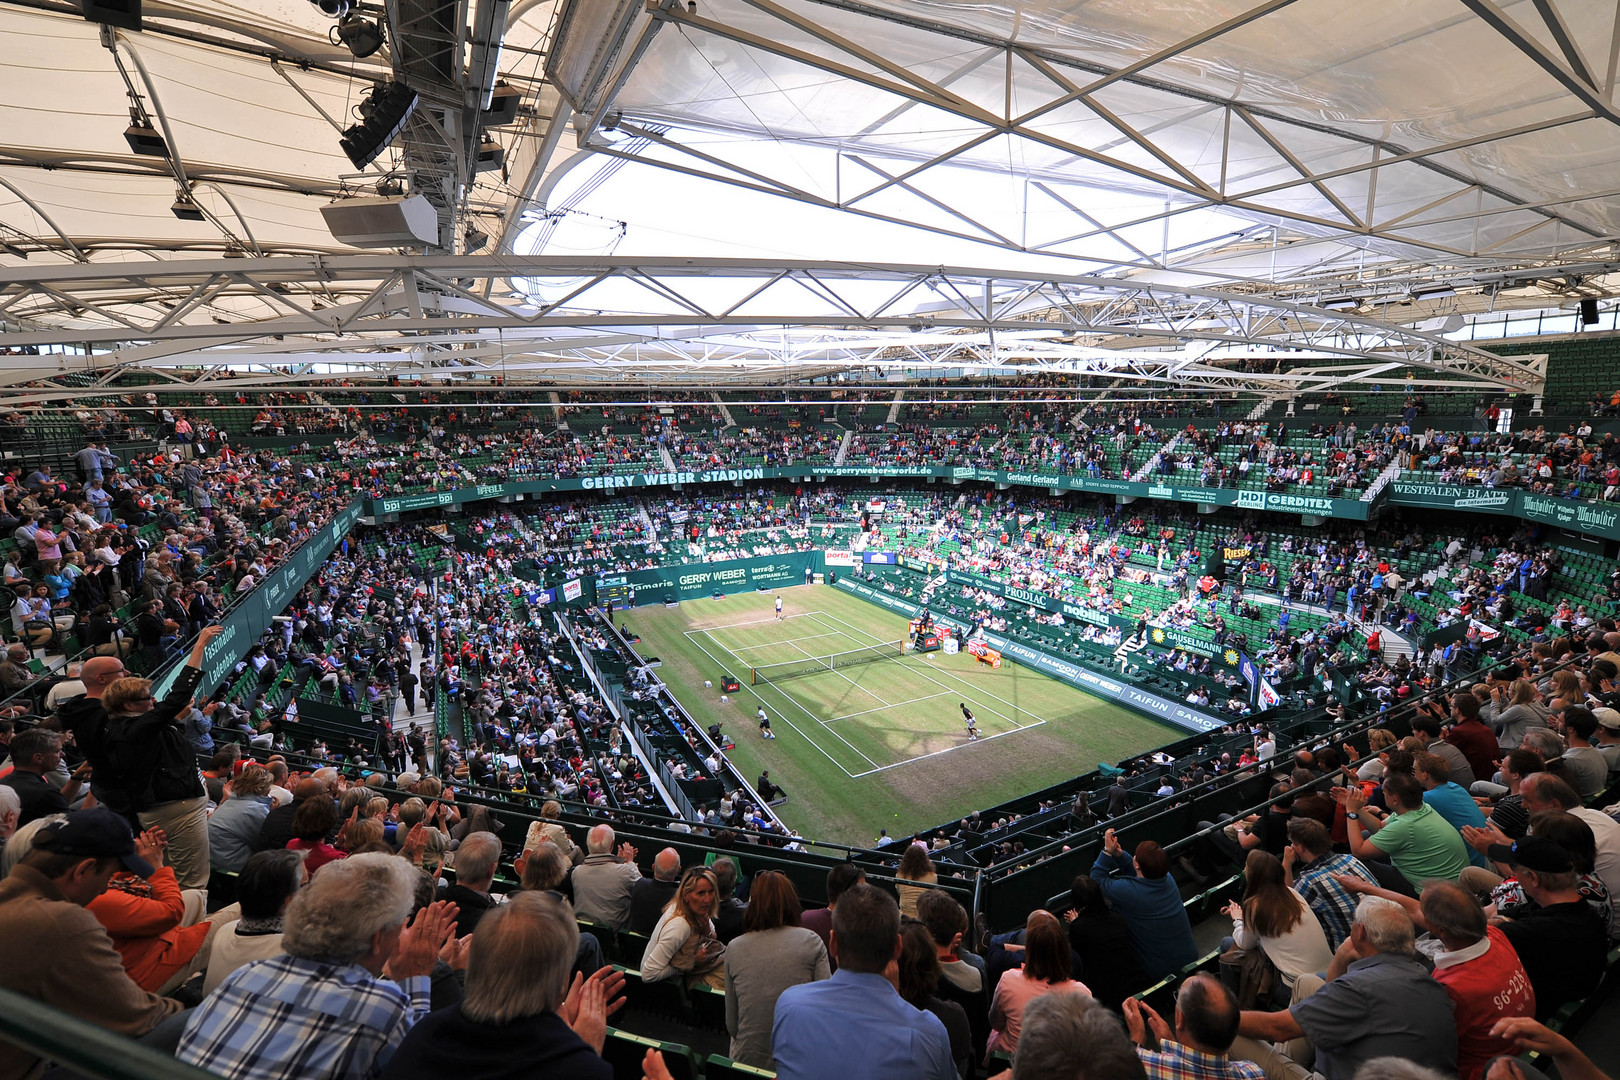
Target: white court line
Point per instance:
(948, 750)
(896, 705)
(745, 622)
(790, 641)
(928, 673)
(791, 724)
(976, 693)
(812, 656)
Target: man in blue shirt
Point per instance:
(1448, 799)
(1142, 892)
(855, 1025)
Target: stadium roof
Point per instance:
(776, 188)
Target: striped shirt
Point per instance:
(1334, 905)
(288, 1018)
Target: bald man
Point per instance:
(87, 720)
(649, 896)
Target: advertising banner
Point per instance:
(1352, 509)
(693, 580)
(838, 558)
(1174, 637)
(1451, 496)
(1595, 519)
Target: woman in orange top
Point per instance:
(152, 924)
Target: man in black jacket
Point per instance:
(152, 768)
(276, 829)
(649, 895)
(407, 684)
(475, 862)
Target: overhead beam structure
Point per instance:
(380, 317)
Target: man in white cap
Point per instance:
(1607, 738)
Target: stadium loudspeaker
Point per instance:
(383, 222)
(1588, 312)
(503, 107)
(385, 112)
(123, 13)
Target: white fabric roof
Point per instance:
(1301, 150)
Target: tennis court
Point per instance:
(854, 696)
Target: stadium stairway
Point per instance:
(1391, 473)
(1152, 463)
(843, 446)
(725, 413)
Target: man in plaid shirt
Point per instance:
(321, 1011)
(1206, 1025)
(1309, 864)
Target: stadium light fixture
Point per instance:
(360, 36)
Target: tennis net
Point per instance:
(792, 669)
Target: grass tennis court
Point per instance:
(878, 744)
(865, 717)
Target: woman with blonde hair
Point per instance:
(549, 828)
(1379, 741)
(1518, 709)
(915, 865)
(684, 944)
(1275, 918)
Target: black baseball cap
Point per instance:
(1533, 853)
(96, 833)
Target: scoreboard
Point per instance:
(613, 590)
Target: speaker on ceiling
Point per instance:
(385, 113)
(383, 222)
(1588, 312)
(122, 13)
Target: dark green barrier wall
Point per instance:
(252, 614)
(1593, 519)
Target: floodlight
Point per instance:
(491, 156)
(362, 37)
(144, 139)
(332, 9)
(185, 207)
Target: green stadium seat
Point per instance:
(625, 1053)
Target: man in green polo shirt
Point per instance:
(1423, 845)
